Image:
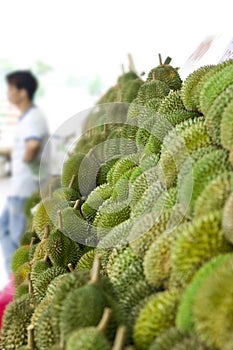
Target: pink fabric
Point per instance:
(6, 296)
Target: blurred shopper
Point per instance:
(30, 138)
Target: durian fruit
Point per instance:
(155, 317)
(20, 256)
(166, 73)
(213, 118)
(152, 89)
(71, 223)
(190, 87)
(172, 338)
(86, 261)
(62, 250)
(80, 165)
(148, 199)
(145, 129)
(21, 274)
(93, 298)
(157, 259)
(227, 218)
(213, 308)
(226, 129)
(67, 193)
(154, 103)
(184, 316)
(103, 171)
(41, 216)
(90, 338)
(110, 214)
(16, 319)
(163, 125)
(171, 103)
(45, 334)
(199, 240)
(141, 238)
(215, 84)
(214, 195)
(95, 200)
(130, 89)
(117, 236)
(179, 144)
(206, 169)
(27, 237)
(121, 189)
(42, 280)
(123, 165)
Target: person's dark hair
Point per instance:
(23, 79)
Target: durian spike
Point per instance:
(76, 204)
(46, 231)
(30, 332)
(168, 60)
(70, 267)
(119, 338)
(95, 271)
(131, 63)
(160, 59)
(104, 320)
(60, 224)
(72, 181)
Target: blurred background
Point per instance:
(77, 50)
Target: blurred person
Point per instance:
(30, 138)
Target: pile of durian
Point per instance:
(132, 246)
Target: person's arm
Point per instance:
(32, 148)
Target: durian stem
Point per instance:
(46, 257)
(90, 133)
(46, 232)
(95, 271)
(76, 204)
(168, 60)
(123, 69)
(30, 288)
(119, 338)
(160, 59)
(105, 128)
(62, 344)
(32, 242)
(70, 267)
(104, 320)
(90, 153)
(72, 181)
(131, 63)
(30, 330)
(60, 224)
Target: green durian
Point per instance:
(90, 338)
(215, 84)
(184, 317)
(152, 89)
(27, 237)
(190, 87)
(214, 116)
(16, 319)
(214, 195)
(199, 240)
(213, 308)
(95, 200)
(20, 256)
(167, 74)
(171, 103)
(155, 317)
(86, 261)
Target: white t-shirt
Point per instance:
(26, 176)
